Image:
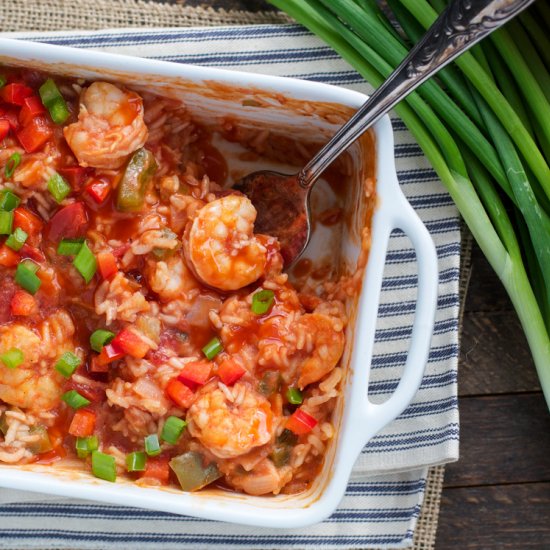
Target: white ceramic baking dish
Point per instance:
(299, 109)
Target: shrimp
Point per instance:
(230, 422)
(110, 126)
(170, 278)
(322, 343)
(263, 479)
(35, 385)
(221, 246)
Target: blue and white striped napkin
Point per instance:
(385, 495)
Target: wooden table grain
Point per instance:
(497, 496)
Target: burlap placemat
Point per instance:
(53, 15)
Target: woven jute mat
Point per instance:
(55, 15)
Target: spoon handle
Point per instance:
(459, 27)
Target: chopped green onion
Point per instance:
(135, 462)
(17, 239)
(12, 358)
(152, 445)
(85, 262)
(74, 399)
(69, 247)
(59, 111)
(212, 348)
(172, 429)
(103, 466)
(8, 201)
(58, 187)
(11, 165)
(30, 265)
(6, 222)
(53, 100)
(3, 80)
(67, 364)
(262, 301)
(25, 276)
(294, 396)
(100, 338)
(86, 445)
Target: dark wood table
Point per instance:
(497, 496)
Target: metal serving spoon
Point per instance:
(282, 200)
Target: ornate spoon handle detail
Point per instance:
(459, 27)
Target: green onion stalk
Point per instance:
(484, 125)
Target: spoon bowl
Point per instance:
(283, 210)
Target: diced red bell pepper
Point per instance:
(32, 106)
(158, 468)
(10, 114)
(33, 136)
(179, 393)
(108, 354)
(4, 128)
(30, 223)
(230, 371)
(23, 304)
(83, 423)
(130, 343)
(8, 258)
(15, 93)
(98, 190)
(69, 222)
(28, 251)
(76, 175)
(301, 422)
(195, 373)
(107, 265)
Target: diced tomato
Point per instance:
(32, 106)
(106, 263)
(8, 258)
(301, 422)
(52, 456)
(119, 251)
(130, 343)
(15, 93)
(97, 366)
(83, 423)
(108, 354)
(158, 468)
(23, 303)
(4, 128)
(68, 223)
(98, 190)
(30, 223)
(28, 251)
(230, 371)
(10, 114)
(35, 134)
(179, 393)
(76, 175)
(89, 391)
(195, 373)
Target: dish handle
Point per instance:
(396, 213)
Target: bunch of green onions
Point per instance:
(483, 123)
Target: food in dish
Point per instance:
(146, 331)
